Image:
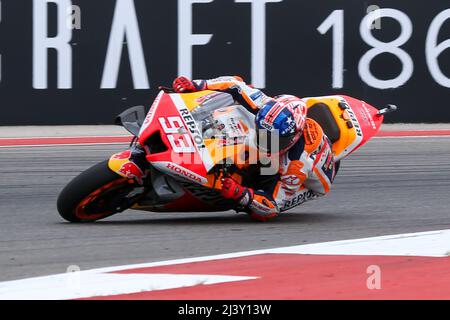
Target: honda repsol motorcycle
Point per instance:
(186, 143)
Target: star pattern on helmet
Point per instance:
(289, 120)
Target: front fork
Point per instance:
(130, 164)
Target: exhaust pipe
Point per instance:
(389, 108)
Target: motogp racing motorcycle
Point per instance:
(186, 143)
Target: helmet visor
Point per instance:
(271, 142)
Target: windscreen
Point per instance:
(221, 117)
(206, 116)
(213, 101)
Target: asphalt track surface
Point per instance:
(390, 186)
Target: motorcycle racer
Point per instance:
(306, 162)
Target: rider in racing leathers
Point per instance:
(307, 167)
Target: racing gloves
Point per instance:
(260, 207)
(183, 84)
(233, 190)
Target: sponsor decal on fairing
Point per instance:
(367, 116)
(122, 155)
(179, 171)
(194, 131)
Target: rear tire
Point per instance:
(93, 185)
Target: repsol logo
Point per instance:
(354, 119)
(288, 204)
(192, 126)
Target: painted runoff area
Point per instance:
(405, 266)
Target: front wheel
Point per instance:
(95, 194)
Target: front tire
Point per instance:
(95, 194)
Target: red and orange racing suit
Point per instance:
(306, 170)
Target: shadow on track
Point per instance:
(236, 219)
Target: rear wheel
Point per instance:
(95, 194)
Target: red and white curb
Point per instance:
(408, 266)
(413, 133)
(94, 140)
(62, 141)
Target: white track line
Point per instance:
(76, 286)
(426, 244)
